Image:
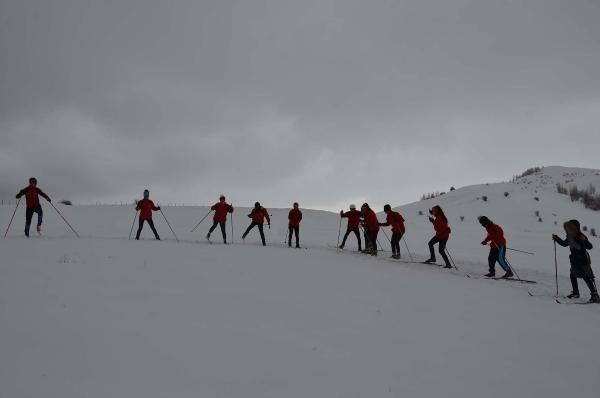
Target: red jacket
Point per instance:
(258, 216)
(145, 206)
(371, 221)
(396, 220)
(32, 198)
(353, 217)
(221, 209)
(495, 235)
(294, 217)
(442, 229)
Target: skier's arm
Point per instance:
(230, 209)
(20, 194)
(585, 243)
(155, 208)
(267, 217)
(300, 215)
(563, 243)
(43, 194)
(214, 207)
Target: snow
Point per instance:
(103, 316)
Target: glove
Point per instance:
(430, 212)
(484, 243)
(49, 200)
(431, 219)
(158, 208)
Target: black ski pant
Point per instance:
(222, 225)
(580, 268)
(295, 230)
(357, 233)
(141, 225)
(372, 240)
(441, 249)
(588, 281)
(260, 229)
(395, 242)
(498, 254)
(29, 215)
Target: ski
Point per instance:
(576, 302)
(514, 280)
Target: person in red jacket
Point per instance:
(220, 218)
(396, 221)
(495, 238)
(353, 217)
(32, 201)
(442, 234)
(371, 228)
(146, 207)
(294, 218)
(258, 216)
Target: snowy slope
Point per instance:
(102, 316)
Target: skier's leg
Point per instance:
(139, 231)
(223, 232)
(212, 228)
(345, 237)
(442, 250)
(357, 233)
(28, 217)
(40, 214)
(574, 284)
(297, 231)
(373, 237)
(151, 223)
(252, 225)
(290, 231)
(396, 236)
(590, 284)
(432, 242)
(262, 234)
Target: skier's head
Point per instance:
(146, 194)
(352, 207)
(364, 206)
(484, 221)
(572, 227)
(33, 181)
(296, 205)
(257, 205)
(222, 198)
(387, 208)
(437, 211)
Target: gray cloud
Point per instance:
(324, 101)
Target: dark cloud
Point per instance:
(324, 101)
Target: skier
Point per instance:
(371, 228)
(258, 216)
(396, 220)
(220, 218)
(495, 238)
(442, 234)
(353, 217)
(294, 218)
(146, 207)
(32, 200)
(580, 259)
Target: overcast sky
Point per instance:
(319, 101)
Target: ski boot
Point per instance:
(39, 229)
(341, 247)
(509, 274)
(430, 261)
(573, 295)
(448, 266)
(490, 274)
(595, 298)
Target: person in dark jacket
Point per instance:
(294, 219)
(353, 217)
(146, 207)
(442, 234)
(495, 238)
(221, 210)
(581, 264)
(258, 216)
(396, 221)
(371, 228)
(32, 202)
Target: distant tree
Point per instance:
(593, 232)
(462, 218)
(484, 198)
(420, 212)
(506, 194)
(537, 199)
(66, 202)
(452, 188)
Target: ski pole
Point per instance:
(556, 268)
(513, 270)
(232, 225)
(11, 219)
(451, 259)
(132, 224)
(165, 217)
(407, 249)
(65, 220)
(520, 251)
(387, 237)
(203, 218)
(337, 248)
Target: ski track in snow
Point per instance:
(103, 316)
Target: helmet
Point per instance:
(33, 180)
(352, 207)
(146, 193)
(387, 208)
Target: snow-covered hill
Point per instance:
(103, 316)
